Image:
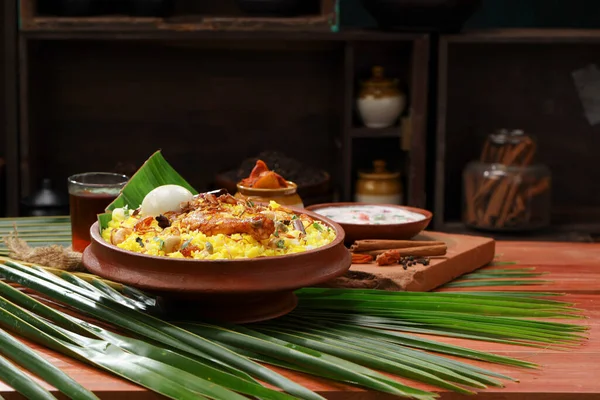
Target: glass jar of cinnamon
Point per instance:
(507, 189)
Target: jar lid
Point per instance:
(379, 172)
(509, 136)
(509, 147)
(378, 80)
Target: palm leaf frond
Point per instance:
(107, 310)
(344, 335)
(21, 382)
(30, 360)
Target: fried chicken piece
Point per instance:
(259, 227)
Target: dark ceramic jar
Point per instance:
(273, 7)
(422, 15)
(150, 8)
(70, 8)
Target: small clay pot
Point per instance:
(380, 101)
(379, 186)
(287, 196)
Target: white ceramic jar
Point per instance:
(380, 102)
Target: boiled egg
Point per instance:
(165, 198)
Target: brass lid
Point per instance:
(378, 80)
(379, 172)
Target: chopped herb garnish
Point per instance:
(317, 226)
(276, 233)
(140, 241)
(209, 247)
(186, 243)
(281, 244)
(379, 217)
(250, 203)
(161, 243)
(294, 217)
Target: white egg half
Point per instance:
(165, 198)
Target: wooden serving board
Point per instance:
(465, 254)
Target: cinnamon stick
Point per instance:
(506, 200)
(541, 187)
(509, 158)
(375, 244)
(508, 203)
(423, 251)
(518, 208)
(529, 155)
(495, 204)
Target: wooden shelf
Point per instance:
(186, 16)
(512, 35)
(137, 78)
(509, 64)
(198, 24)
(142, 31)
(364, 132)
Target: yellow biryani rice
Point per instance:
(157, 241)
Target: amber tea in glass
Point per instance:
(89, 195)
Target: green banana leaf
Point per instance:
(156, 171)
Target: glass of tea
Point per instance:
(89, 195)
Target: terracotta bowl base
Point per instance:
(233, 308)
(240, 291)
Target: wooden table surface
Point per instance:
(575, 270)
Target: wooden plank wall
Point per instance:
(96, 105)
